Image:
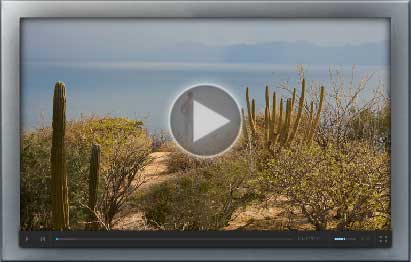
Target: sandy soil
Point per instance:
(266, 216)
(157, 172)
(270, 215)
(154, 174)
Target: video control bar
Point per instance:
(207, 239)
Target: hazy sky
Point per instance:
(88, 38)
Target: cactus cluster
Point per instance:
(93, 185)
(282, 128)
(59, 192)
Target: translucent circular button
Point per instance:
(205, 120)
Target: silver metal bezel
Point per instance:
(13, 11)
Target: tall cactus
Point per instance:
(316, 122)
(247, 99)
(286, 126)
(280, 120)
(309, 121)
(267, 98)
(59, 192)
(273, 133)
(320, 105)
(267, 118)
(267, 127)
(244, 126)
(293, 98)
(251, 113)
(93, 185)
(299, 112)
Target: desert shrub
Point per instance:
(199, 199)
(180, 161)
(109, 132)
(334, 188)
(161, 141)
(355, 110)
(123, 175)
(372, 126)
(35, 180)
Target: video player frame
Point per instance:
(50, 236)
(314, 155)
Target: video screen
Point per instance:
(205, 125)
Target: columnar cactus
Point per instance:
(316, 122)
(280, 119)
(251, 119)
(267, 127)
(253, 112)
(93, 185)
(267, 118)
(299, 112)
(273, 132)
(267, 98)
(59, 192)
(320, 105)
(245, 131)
(293, 98)
(286, 126)
(309, 121)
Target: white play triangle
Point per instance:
(205, 121)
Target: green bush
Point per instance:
(334, 188)
(109, 132)
(179, 162)
(35, 180)
(371, 126)
(123, 176)
(200, 199)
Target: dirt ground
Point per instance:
(266, 216)
(154, 174)
(270, 215)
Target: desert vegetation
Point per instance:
(315, 157)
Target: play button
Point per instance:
(202, 128)
(205, 120)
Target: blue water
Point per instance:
(146, 92)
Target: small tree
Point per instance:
(123, 175)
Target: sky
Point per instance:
(95, 39)
(136, 67)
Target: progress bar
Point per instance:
(171, 239)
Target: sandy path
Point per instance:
(157, 172)
(159, 165)
(154, 174)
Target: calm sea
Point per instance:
(146, 90)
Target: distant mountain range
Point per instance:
(307, 53)
(376, 53)
(272, 53)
